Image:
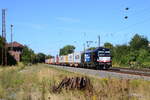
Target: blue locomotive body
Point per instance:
(99, 58)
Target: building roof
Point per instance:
(15, 44)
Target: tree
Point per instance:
(67, 50)
(136, 54)
(121, 54)
(11, 60)
(48, 56)
(138, 42)
(40, 57)
(91, 48)
(1, 47)
(143, 55)
(28, 55)
(108, 45)
(1, 42)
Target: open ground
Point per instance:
(36, 82)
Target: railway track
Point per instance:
(112, 72)
(142, 72)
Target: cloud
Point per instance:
(68, 19)
(36, 26)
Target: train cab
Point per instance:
(99, 58)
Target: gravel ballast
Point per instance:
(102, 73)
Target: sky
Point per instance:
(48, 25)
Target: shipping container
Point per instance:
(52, 60)
(70, 58)
(57, 60)
(46, 61)
(64, 60)
(60, 59)
(77, 58)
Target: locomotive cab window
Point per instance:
(107, 52)
(103, 53)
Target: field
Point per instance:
(36, 82)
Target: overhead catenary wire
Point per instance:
(132, 14)
(134, 24)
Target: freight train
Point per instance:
(99, 58)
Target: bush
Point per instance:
(134, 55)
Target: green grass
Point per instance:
(35, 83)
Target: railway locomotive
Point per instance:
(99, 58)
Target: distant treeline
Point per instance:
(135, 54)
(29, 57)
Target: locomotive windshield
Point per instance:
(104, 53)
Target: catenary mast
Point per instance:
(4, 48)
